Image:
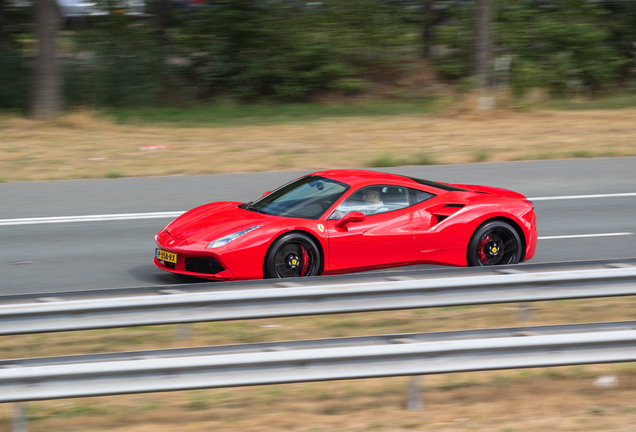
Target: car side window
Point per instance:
(416, 196)
(367, 201)
(379, 199)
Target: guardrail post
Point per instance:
(524, 312)
(415, 400)
(19, 417)
(184, 331)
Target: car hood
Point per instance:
(215, 220)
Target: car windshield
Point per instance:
(307, 198)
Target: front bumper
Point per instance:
(242, 259)
(192, 260)
(182, 267)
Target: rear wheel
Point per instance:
(292, 255)
(494, 243)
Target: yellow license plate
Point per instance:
(166, 256)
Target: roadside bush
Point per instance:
(243, 49)
(115, 65)
(14, 75)
(566, 48)
(456, 35)
(287, 51)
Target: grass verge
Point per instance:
(86, 144)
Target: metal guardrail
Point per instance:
(400, 273)
(412, 272)
(351, 341)
(176, 307)
(305, 361)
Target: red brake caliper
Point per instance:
(305, 261)
(480, 249)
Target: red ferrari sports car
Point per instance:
(342, 221)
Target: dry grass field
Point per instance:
(84, 145)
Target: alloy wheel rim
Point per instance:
(496, 247)
(295, 260)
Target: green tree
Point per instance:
(566, 47)
(14, 73)
(286, 51)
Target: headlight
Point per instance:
(228, 238)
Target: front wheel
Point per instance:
(292, 255)
(494, 243)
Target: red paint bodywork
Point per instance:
(426, 233)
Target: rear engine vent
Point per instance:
(203, 265)
(454, 206)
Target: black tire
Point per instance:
(494, 243)
(292, 255)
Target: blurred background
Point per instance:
(60, 54)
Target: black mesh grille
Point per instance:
(203, 265)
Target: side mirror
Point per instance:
(266, 193)
(350, 217)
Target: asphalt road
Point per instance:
(39, 256)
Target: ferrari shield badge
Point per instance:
(321, 227)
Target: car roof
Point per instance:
(357, 178)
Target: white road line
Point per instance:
(174, 214)
(585, 235)
(569, 197)
(89, 218)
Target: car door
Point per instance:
(393, 236)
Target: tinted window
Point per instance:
(379, 199)
(308, 198)
(417, 196)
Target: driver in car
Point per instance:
(371, 203)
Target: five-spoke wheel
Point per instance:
(494, 243)
(292, 255)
